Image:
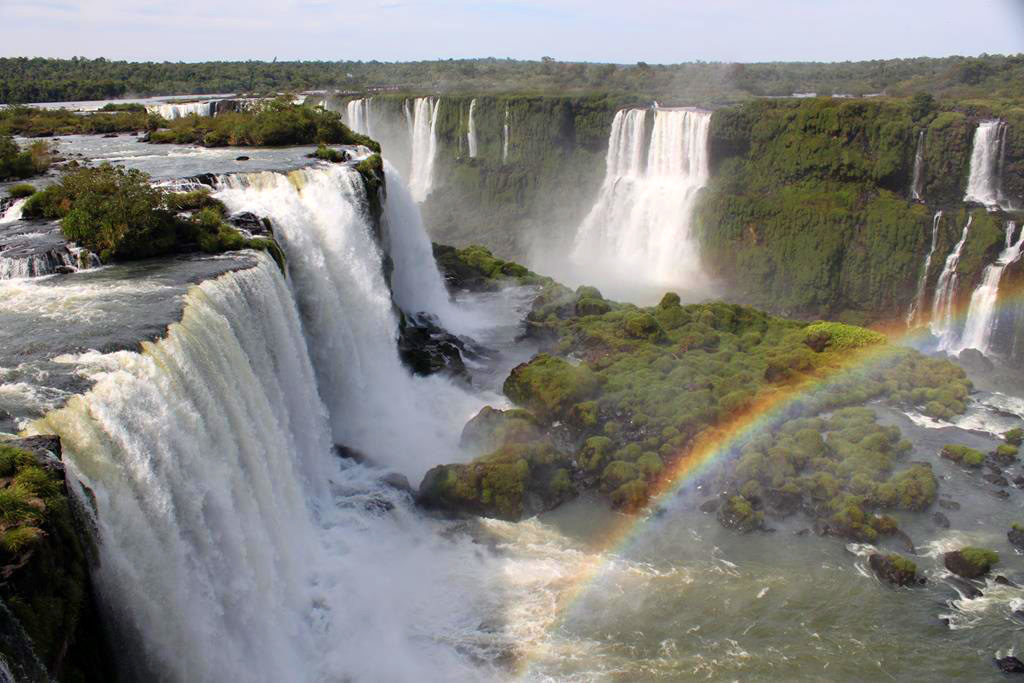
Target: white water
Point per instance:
(234, 545)
(13, 212)
(504, 138)
(70, 256)
(942, 323)
(377, 406)
(471, 135)
(422, 120)
(981, 316)
(985, 183)
(640, 227)
(179, 111)
(918, 303)
(358, 115)
(917, 185)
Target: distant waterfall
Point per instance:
(423, 131)
(179, 111)
(942, 323)
(357, 115)
(504, 138)
(981, 316)
(917, 304)
(917, 185)
(640, 226)
(471, 135)
(337, 268)
(984, 184)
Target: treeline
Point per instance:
(24, 80)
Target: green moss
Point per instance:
(963, 455)
(1006, 452)
(981, 559)
(840, 336)
(550, 386)
(1014, 437)
(737, 513)
(20, 191)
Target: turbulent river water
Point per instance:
(235, 544)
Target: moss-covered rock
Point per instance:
(1016, 535)
(737, 513)
(1014, 437)
(970, 563)
(550, 386)
(963, 455)
(894, 569)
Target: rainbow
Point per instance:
(715, 445)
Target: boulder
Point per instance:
(491, 428)
(970, 563)
(242, 158)
(1016, 536)
(738, 514)
(947, 504)
(1010, 665)
(894, 569)
(398, 481)
(974, 360)
(940, 520)
(252, 224)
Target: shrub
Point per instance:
(16, 163)
(21, 190)
(963, 455)
(1014, 437)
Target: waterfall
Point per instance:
(918, 303)
(981, 315)
(504, 138)
(358, 115)
(640, 226)
(942, 323)
(984, 184)
(13, 212)
(179, 111)
(377, 407)
(423, 133)
(471, 135)
(917, 185)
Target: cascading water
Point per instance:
(640, 226)
(942, 323)
(981, 316)
(917, 185)
(13, 212)
(917, 305)
(377, 407)
(179, 111)
(471, 135)
(504, 138)
(422, 122)
(984, 184)
(358, 115)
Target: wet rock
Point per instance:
(1003, 581)
(974, 360)
(738, 514)
(940, 520)
(894, 569)
(46, 449)
(1001, 494)
(1010, 665)
(710, 506)
(966, 589)
(947, 504)
(242, 158)
(491, 428)
(252, 224)
(110, 135)
(802, 532)
(427, 348)
(398, 481)
(352, 454)
(970, 563)
(379, 505)
(1018, 481)
(1016, 536)
(996, 479)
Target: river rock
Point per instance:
(970, 563)
(973, 359)
(398, 481)
(996, 479)
(1003, 581)
(894, 569)
(947, 504)
(242, 158)
(1010, 665)
(940, 520)
(1016, 536)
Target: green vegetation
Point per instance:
(271, 123)
(894, 569)
(16, 163)
(118, 215)
(45, 80)
(1014, 437)
(631, 390)
(21, 190)
(1006, 453)
(963, 455)
(971, 562)
(32, 122)
(325, 153)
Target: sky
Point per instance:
(623, 31)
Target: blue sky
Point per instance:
(624, 31)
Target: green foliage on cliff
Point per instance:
(273, 123)
(32, 122)
(117, 214)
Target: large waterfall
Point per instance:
(471, 135)
(235, 545)
(984, 184)
(422, 122)
(358, 115)
(640, 227)
(943, 324)
(917, 305)
(981, 316)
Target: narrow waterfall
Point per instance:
(358, 115)
(377, 407)
(422, 122)
(471, 135)
(942, 323)
(984, 184)
(13, 212)
(981, 316)
(917, 185)
(917, 305)
(640, 226)
(504, 138)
